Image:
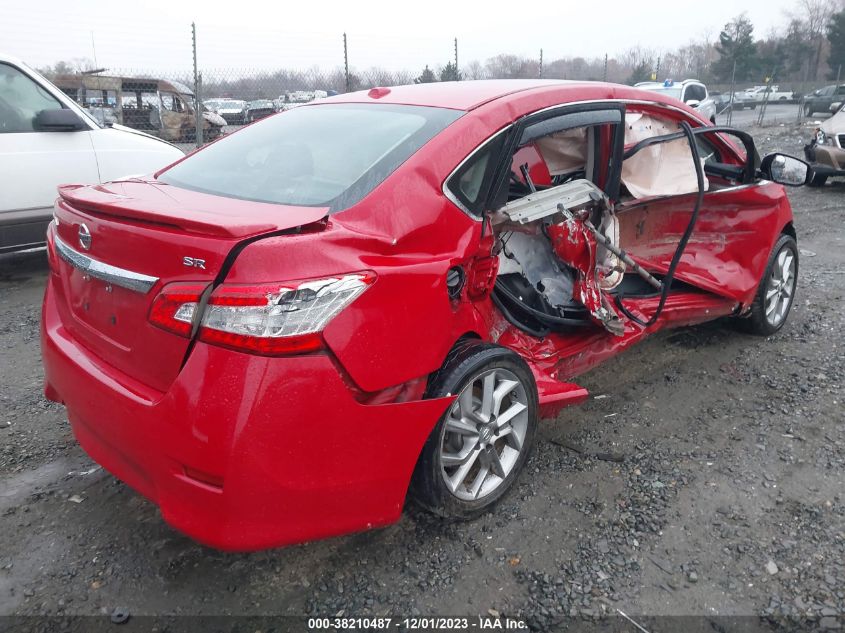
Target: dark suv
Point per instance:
(823, 98)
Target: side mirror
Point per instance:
(785, 170)
(693, 103)
(63, 120)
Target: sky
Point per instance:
(258, 34)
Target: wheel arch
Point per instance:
(467, 338)
(789, 229)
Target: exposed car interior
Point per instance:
(544, 283)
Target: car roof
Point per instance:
(11, 60)
(468, 95)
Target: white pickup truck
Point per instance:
(690, 91)
(758, 93)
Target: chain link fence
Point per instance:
(189, 111)
(200, 103)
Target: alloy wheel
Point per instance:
(484, 434)
(781, 287)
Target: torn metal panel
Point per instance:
(543, 204)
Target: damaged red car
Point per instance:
(376, 296)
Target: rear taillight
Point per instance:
(270, 319)
(174, 307)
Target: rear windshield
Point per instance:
(328, 155)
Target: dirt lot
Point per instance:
(706, 476)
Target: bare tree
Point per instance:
(68, 67)
(813, 16)
(474, 70)
(508, 66)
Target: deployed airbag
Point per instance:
(662, 169)
(565, 151)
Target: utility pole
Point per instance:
(541, 63)
(605, 67)
(346, 62)
(731, 100)
(198, 122)
(457, 74)
(657, 70)
(770, 80)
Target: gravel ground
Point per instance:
(703, 478)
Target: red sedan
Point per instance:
(281, 336)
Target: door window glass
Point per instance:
(471, 181)
(695, 91)
(21, 99)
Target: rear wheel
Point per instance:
(478, 447)
(776, 291)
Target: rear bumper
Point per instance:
(242, 452)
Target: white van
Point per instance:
(46, 140)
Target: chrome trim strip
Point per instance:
(108, 273)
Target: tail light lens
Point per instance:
(174, 308)
(269, 319)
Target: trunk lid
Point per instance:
(140, 236)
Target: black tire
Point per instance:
(757, 323)
(808, 110)
(467, 361)
(817, 180)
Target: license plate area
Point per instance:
(102, 307)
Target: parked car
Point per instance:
(689, 91)
(826, 150)
(233, 111)
(768, 93)
(382, 292)
(163, 108)
(822, 99)
(727, 102)
(303, 96)
(259, 109)
(47, 139)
